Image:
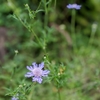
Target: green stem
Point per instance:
(93, 31)
(46, 6)
(31, 31)
(36, 37)
(55, 3)
(59, 97)
(31, 93)
(73, 27)
(46, 15)
(73, 22)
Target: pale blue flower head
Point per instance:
(37, 72)
(74, 6)
(15, 97)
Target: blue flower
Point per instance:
(14, 98)
(73, 6)
(37, 72)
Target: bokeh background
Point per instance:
(81, 54)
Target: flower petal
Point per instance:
(30, 68)
(34, 65)
(40, 80)
(29, 74)
(14, 98)
(41, 65)
(37, 79)
(73, 6)
(45, 73)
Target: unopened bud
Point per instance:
(16, 51)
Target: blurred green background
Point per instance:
(81, 54)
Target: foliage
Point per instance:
(41, 31)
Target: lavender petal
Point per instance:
(37, 79)
(30, 68)
(41, 65)
(29, 74)
(34, 65)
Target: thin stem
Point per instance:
(46, 15)
(55, 3)
(46, 7)
(93, 31)
(73, 22)
(59, 97)
(73, 26)
(36, 37)
(39, 5)
(31, 31)
(31, 93)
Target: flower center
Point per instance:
(37, 72)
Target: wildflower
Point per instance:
(73, 6)
(37, 72)
(15, 97)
